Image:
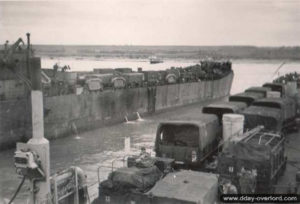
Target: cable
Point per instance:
(281, 65)
(17, 191)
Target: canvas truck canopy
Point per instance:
(221, 108)
(178, 138)
(255, 147)
(186, 187)
(258, 89)
(276, 87)
(261, 151)
(270, 118)
(287, 106)
(195, 132)
(246, 97)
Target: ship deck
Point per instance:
(91, 149)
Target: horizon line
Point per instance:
(129, 45)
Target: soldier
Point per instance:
(247, 181)
(143, 153)
(228, 187)
(6, 45)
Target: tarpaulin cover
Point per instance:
(246, 97)
(248, 151)
(275, 87)
(234, 106)
(221, 108)
(124, 179)
(270, 118)
(287, 105)
(258, 89)
(191, 186)
(207, 125)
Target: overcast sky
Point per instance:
(154, 22)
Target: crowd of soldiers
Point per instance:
(288, 77)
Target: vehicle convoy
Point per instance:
(190, 141)
(253, 163)
(250, 162)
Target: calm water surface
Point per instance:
(99, 147)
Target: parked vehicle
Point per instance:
(287, 107)
(253, 164)
(270, 118)
(259, 89)
(189, 141)
(221, 108)
(156, 185)
(276, 87)
(246, 97)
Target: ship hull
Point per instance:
(70, 114)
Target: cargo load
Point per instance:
(186, 187)
(246, 97)
(188, 141)
(133, 79)
(287, 105)
(253, 164)
(124, 70)
(233, 126)
(276, 87)
(273, 94)
(221, 108)
(126, 179)
(270, 118)
(179, 187)
(103, 70)
(259, 89)
(105, 78)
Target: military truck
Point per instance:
(287, 105)
(189, 141)
(252, 164)
(221, 108)
(259, 89)
(270, 118)
(153, 185)
(276, 87)
(246, 97)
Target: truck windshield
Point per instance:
(179, 135)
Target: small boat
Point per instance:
(155, 60)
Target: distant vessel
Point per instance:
(155, 60)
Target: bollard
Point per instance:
(127, 145)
